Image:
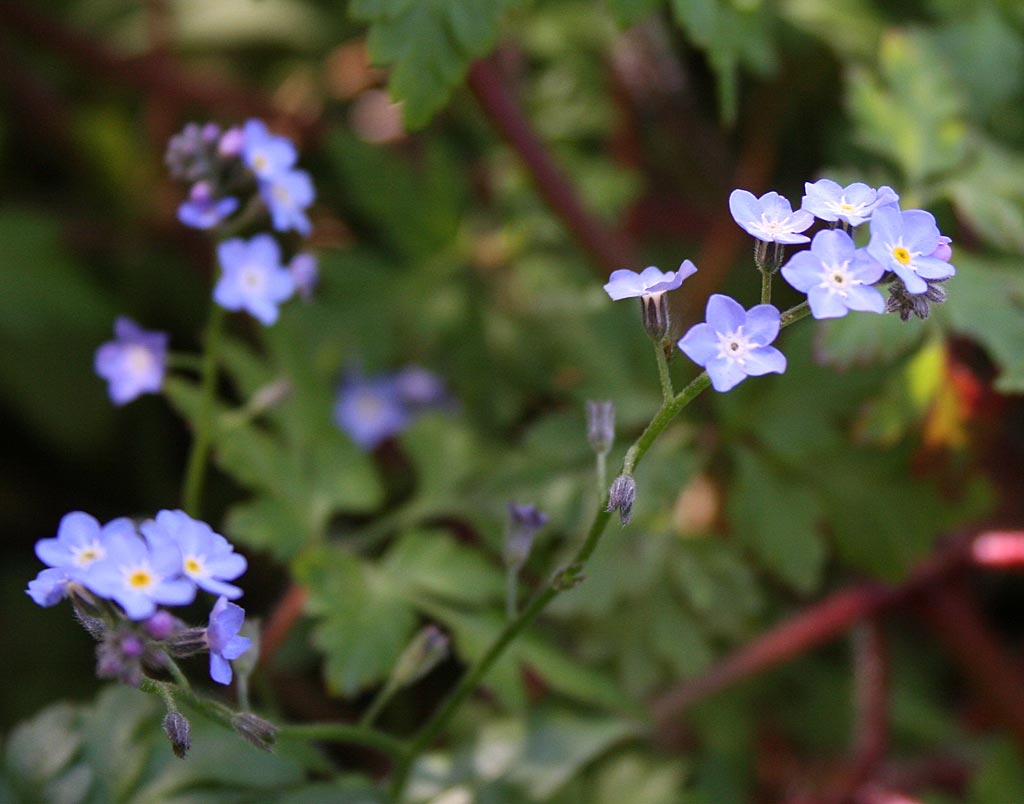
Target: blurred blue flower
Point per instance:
(626, 284)
(134, 364)
(287, 194)
(203, 210)
(855, 203)
(370, 410)
(138, 575)
(207, 558)
(836, 276)
(904, 243)
(253, 278)
(305, 273)
(734, 343)
(266, 154)
(420, 389)
(222, 635)
(49, 587)
(769, 218)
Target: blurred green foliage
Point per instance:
(435, 249)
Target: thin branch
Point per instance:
(607, 249)
(284, 616)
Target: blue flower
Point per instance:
(769, 218)
(420, 389)
(836, 276)
(370, 410)
(305, 273)
(222, 635)
(734, 343)
(207, 558)
(904, 243)
(287, 194)
(202, 210)
(254, 279)
(49, 587)
(138, 575)
(134, 364)
(626, 284)
(266, 154)
(854, 203)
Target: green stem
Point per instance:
(602, 474)
(161, 689)
(511, 592)
(663, 375)
(176, 673)
(184, 361)
(345, 733)
(565, 579)
(195, 472)
(766, 287)
(386, 693)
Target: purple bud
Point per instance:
(523, 523)
(231, 143)
(178, 731)
(427, 650)
(162, 624)
(256, 730)
(621, 497)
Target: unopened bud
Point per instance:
(601, 425)
(655, 316)
(523, 522)
(768, 256)
(261, 733)
(426, 651)
(178, 731)
(188, 642)
(269, 396)
(621, 497)
(163, 624)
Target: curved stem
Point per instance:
(195, 473)
(564, 579)
(386, 693)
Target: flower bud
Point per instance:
(621, 497)
(163, 624)
(601, 425)
(188, 642)
(426, 651)
(522, 525)
(261, 733)
(178, 731)
(768, 256)
(919, 304)
(655, 316)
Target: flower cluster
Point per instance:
(372, 409)
(118, 574)
(905, 250)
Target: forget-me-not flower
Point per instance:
(420, 389)
(138, 575)
(734, 343)
(370, 410)
(287, 194)
(222, 635)
(306, 273)
(626, 284)
(202, 210)
(854, 204)
(904, 243)
(134, 363)
(253, 278)
(266, 154)
(836, 276)
(769, 218)
(207, 558)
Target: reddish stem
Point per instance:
(284, 616)
(605, 247)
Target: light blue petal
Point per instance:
(803, 271)
(933, 268)
(920, 234)
(911, 281)
(744, 206)
(700, 344)
(725, 374)
(725, 314)
(236, 647)
(220, 669)
(763, 322)
(866, 299)
(765, 360)
(825, 304)
(833, 246)
(623, 284)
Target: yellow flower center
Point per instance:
(192, 566)
(259, 162)
(140, 579)
(901, 255)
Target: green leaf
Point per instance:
(1000, 778)
(630, 12)
(268, 523)
(558, 745)
(860, 339)
(363, 624)
(432, 562)
(988, 193)
(986, 302)
(777, 517)
(428, 45)
(911, 110)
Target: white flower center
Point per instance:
(85, 554)
(369, 406)
(836, 278)
(252, 279)
(734, 346)
(139, 359)
(282, 195)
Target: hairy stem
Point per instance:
(766, 287)
(663, 375)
